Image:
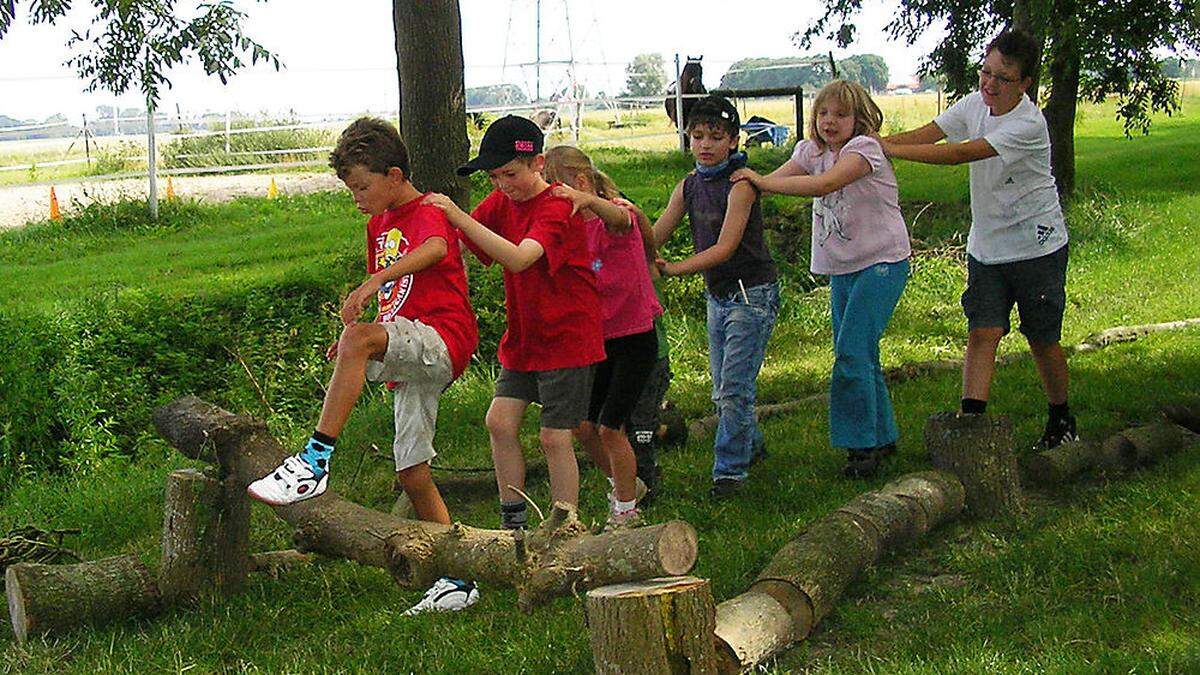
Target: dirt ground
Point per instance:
(23, 203)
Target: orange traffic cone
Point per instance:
(272, 189)
(170, 189)
(55, 214)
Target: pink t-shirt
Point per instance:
(623, 278)
(859, 225)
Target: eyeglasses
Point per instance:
(985, 74)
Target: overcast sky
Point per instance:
(343, 61)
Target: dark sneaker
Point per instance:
(725, 487)
(885, 451)
(1057, 433)
(861, 463)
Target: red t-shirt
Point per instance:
(553, 307)
(437, 295)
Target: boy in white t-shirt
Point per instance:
(1017, 245)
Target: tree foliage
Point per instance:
(645, 75)
(133, 43)
(870, 70)
(1118, 42)
(495, 95)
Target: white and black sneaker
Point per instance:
(446, 595)
(293, 481)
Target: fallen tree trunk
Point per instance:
(803, 581)
(272, 563)
(657, 626)
(46, 599)
(1123, 451)
(977, 449)
(557, 559)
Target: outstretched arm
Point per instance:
(670, 218)
(616, 218)
(741, 198)
(941, 153)
(514, 257)
(930, 133)
(845, 171)
(429, 253)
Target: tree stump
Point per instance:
(662, 625)
(53, 598)
(205, 544)
(978, 450)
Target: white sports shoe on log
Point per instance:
(293, 481)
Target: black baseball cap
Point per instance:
(718, 107)
(503, 141)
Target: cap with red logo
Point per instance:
(503, 141)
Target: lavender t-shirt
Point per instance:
(859, 225)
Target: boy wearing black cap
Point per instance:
(739, 278)
(554, 335)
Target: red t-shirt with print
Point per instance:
(437, 295)
(553, 307)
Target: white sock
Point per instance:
(620, 507)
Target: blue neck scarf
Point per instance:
(732, 163)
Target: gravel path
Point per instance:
(23, 203)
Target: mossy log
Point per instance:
(1059, 465)
(807, 576)
(656, 626)
(557, 559)
(44, 599)
(977, 449)
(206, 537)
(1120, 452)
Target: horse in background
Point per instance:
(692, 79)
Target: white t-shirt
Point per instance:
(1015, 214)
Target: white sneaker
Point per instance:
(293, 481)
(446, 595)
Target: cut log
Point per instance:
(801, 583)
(1152, 442)
(45, 599)
(1186, 414)
(656, 626)
(558, 559)
(750, 628)
(1061, 464)
(978, 450)
(206, 533)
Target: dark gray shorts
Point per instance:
(563, 393)
(1037, 286)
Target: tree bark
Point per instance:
(557, 559)
(45, 599)
(1120, 452)
(1064, 93)
(657, 626)
(978, 450)
(434, 114)
(273, 563)
(192, 505)
(803, 581)
(1029, 16)
(1059, 465)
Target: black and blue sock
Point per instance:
(317, 452)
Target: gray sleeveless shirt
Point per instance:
(706, 200)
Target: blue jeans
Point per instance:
(860, 410)
(738, 330)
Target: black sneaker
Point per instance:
(1057, 433)
(861, 463)
(725, 487)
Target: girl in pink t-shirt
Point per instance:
(860, 241)
(617, 241)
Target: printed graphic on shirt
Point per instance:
(390, 246)
(1043, 233)
(827, 210)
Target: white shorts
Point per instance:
(418, 362)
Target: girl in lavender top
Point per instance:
(860, 241)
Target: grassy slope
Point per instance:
(1102, 577)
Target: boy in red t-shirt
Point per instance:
(422, 339)
(554, 336)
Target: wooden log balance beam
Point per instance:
(556, 559)
(801, 583)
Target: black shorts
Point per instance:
(1037, 286)
(621, 377)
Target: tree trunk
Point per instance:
(657, 626)
(1029, 16)
(801, 583)
(558, 558)
(1064, 93)
(434, 114)
(978, 450)
(46, 599)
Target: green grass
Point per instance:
(1103, 576)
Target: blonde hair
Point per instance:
(565, 162)
(868, 118)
